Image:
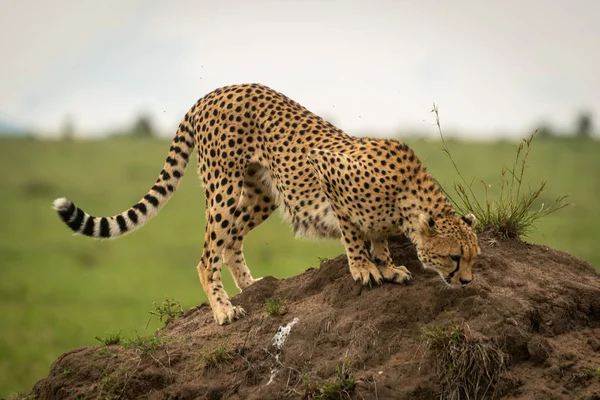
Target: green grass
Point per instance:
(166, 310)
(146, 344)
(512, 208)
(592, 373)
(276, 306)
(110, 339)
(217, 357)
(59, 291)
(341, 388)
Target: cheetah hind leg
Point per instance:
(223, 311)
(380, 253)
(209, 269)
(254, 206)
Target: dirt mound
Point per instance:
(529, 327)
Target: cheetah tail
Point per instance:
(110, 227)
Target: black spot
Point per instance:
(75, 224)
(65, 215)
(141, 207)
(171, 161)
(104, 228)
(224, 224)
(132, 216)
(88, 230)
(151, 199)
(122, 223)
(160, 190)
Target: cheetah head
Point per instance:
(448, 245)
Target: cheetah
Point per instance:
(258, 151)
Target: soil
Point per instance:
(537, 307)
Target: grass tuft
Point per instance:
(466, 367)
(221, 355)
(167, 310)
(145, 344)
(276, 306)
(594, 373)
(322, 259)
(515, 209)
(341, 388)
(110, 339)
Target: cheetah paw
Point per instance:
(226, 315)
(396, 274)
(366, 274)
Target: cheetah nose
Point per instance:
(465, 282)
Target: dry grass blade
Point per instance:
(514, 211)
(466, 367)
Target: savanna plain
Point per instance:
(58, 291)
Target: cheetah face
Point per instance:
(449, 246)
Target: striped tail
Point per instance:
(128, 221)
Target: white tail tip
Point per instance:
(61, 204)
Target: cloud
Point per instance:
(492, 67)
(39, 39)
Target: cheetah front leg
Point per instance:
(380, 253)
(361, 266)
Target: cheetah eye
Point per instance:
(455, 258)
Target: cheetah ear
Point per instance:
(470, 220)
(426, 224)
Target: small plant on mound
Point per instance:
(341, 388)
(110, 339)
(167, 310)
(594, 373)
(221, 355)
(276, 306)
(145, 344)
(513, 213)
(466, 368)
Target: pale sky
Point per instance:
(368, 66)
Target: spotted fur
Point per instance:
(257, 151)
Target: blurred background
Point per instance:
(93, 91)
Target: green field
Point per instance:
(59, 291)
